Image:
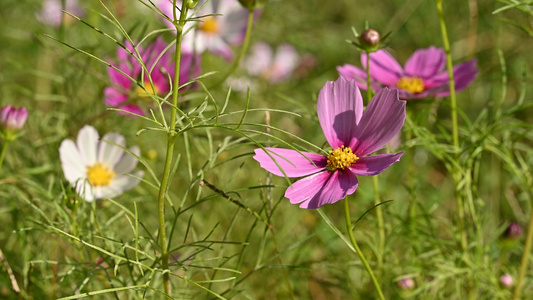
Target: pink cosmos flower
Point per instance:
(274, 68)
(424, 74)
(126, 95)
(213, 33)
(352, 134)
(12, 119)
(51, 12)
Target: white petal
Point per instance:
(85, 190)
(109, 153)
(128, 162)
(87, 144)
(71, 161)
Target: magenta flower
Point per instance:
(127, 95)
(352, 134)
(12, 119)
(215, 33)
(274, 68)
(424, 74)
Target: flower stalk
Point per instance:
(179, 23)
(524, 263)
(455, 130)
(375, 180)
(244, 47)
(3, 153)
(358, 250)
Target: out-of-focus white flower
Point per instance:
(97, 168)
(51, 12)
(275, 68)
(214, 33)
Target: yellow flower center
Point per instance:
(148, 90)
(341, 158)
(412, 84)
(209, 25)
(99, 175)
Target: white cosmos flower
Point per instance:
(97, 168)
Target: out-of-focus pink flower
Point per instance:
(274, 68)
(214, 33)
(352, 134)
(126, 95)
(51, 11)
(514, 231)
(506, 281)
(406, 283)
(12, 119)
(424, 74)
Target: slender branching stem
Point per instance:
(455, 130)
(170, 147)
(358, 250)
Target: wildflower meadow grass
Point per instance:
(266, 149)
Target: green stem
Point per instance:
(4, 151)
(368, 84)
(525, 259)
(375, 180)
(244, 48)
(455, 130)
(358, 250)
(170, 148)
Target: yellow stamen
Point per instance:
(341, 158)
(209, 25)
(411, 84)
(99, 175)
(148, 90)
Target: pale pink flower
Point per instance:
(424, 74)
(277, 67)
(214, 33)
(352, 134)
(51, 12)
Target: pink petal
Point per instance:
(135, 109)
(375, 164)
(426, 63)
(463, 74)
(285, 62)
(322, 188)
(293, 163)
(114, 96)
(350, 72)
(259, 60)
(339, 107)
(383, 67)
(383, 118)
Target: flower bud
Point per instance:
(12, 118)
(406, 283)
(514, 231)
(370, 37)
(506, 281)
